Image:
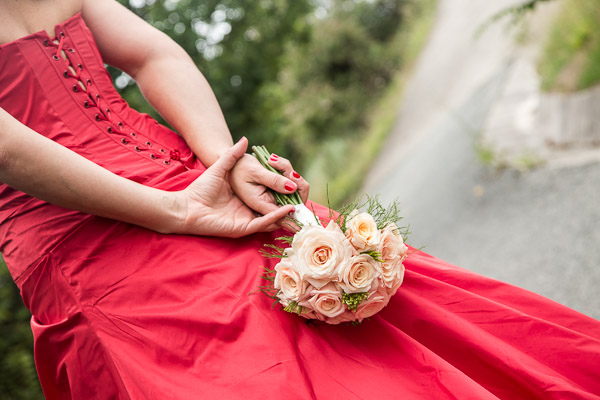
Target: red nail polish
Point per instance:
(296, 175)
(274, 157)
(289, 186)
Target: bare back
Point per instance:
(23, 17)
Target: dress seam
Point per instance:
(105, 352)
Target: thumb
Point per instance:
(228, 159)
(269, 221)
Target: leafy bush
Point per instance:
(18, 377)
(571, 57)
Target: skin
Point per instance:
(224, 201)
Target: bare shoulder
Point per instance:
(23, 17)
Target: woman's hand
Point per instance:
(208, 206)
(251, 182)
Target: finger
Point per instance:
(264, 204)
(274, 181)
(230, 157)
(284, 165)
(281, 164)
(266, 222)
(302, 184)
(289, 225)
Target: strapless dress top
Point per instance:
(60, 88)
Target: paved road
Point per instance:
(539, 230)
(453, 65)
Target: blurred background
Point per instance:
(480, 118)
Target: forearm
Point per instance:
(44, 169)
(180, 93)
(166, 75)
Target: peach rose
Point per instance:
(317, 252)
(308, 313)
(362, 232)
(393, 252)
(288, 281)
(307, 310)
(371, 305)
(346, 316)
(396, 283)
(358, 275)
(327, 301)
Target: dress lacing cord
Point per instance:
(94, 101)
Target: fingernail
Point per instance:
(296, 175)
(274, 157)
(289, 186)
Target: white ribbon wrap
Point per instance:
(305, 216)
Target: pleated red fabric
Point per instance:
(123, 312)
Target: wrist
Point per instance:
(208, 155)
(172, 213)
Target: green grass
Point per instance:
(571, 57)
(525, 160)
(342, 164)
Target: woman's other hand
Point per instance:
(209, 206)
(251, 182)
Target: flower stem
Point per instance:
(262, 155)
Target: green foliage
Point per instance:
(329, 81)
(353, 300)
(18, 377)
(571, 56)
(514, 14)
(374, 254)
(294, 308)
(382, 19)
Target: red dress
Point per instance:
(123, 312)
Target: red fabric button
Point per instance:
(175, 155)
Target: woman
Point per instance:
(124, 309)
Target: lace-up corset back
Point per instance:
(60, 88)
(66, 77)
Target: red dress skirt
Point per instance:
(123, 312)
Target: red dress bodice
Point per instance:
(38, 88)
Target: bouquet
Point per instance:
(343, 271)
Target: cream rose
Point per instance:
(362, 232)
(358, 275)
(393, 252)
(317, 253)
(371, 305)
(327, 301)
(288, 281)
